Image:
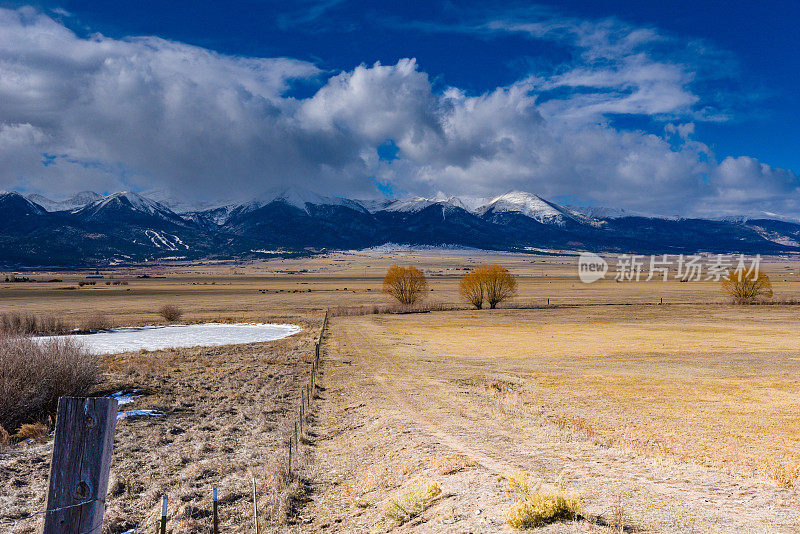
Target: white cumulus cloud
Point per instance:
(145, 112)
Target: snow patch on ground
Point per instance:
(390, 248)
(126, 398)
(168, 241)
(119, 340)
(139, 413)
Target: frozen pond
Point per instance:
(174, 336)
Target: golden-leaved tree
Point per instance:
(471, 287)
(492, 283)
(747, 287)
(406, 284)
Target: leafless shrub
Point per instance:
(52, 324)
(28, 324)
(96, 321)
(778, 302)
(34, 375)
(376, 309)
(15, 323)
(170, 312)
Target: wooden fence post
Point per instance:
(289, 463)
(80, 465)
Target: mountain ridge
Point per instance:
(128, 227)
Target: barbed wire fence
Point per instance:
(170, 511)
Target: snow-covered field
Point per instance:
(193, 335)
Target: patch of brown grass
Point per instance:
(412, 502)
(447, 465)
(32, 431)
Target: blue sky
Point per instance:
(682, 106)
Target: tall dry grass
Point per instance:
(28, 324)
(96, 321)
(33, 375)
(380, 309)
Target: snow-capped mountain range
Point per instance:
(92, 229)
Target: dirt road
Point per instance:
(394, 414)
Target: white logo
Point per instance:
(591, 267)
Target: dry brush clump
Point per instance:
(33, 375)
(388, 309)
(28, 324)
(170, 312)
(537, 507)
(747, 287)
(490, 283)
(413, 502)
(96, 321)
(407, 284)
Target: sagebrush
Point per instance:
(537, 507)
(28, 324)
(33, 375)
(170, 312)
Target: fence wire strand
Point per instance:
(140, 528)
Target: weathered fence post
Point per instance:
(289, 462)
(80, 466)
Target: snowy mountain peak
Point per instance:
(76, 201)
(302, 198)
(128, 201)
(24, 205)
(133, 200)
(413, 205)
(529, 205)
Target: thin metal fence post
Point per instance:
(163, 515)
(214, 510)
(255, 505)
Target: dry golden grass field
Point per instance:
(673, 417)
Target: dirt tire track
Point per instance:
(401, 379)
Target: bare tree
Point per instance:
(406, 284)
(747, 287)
